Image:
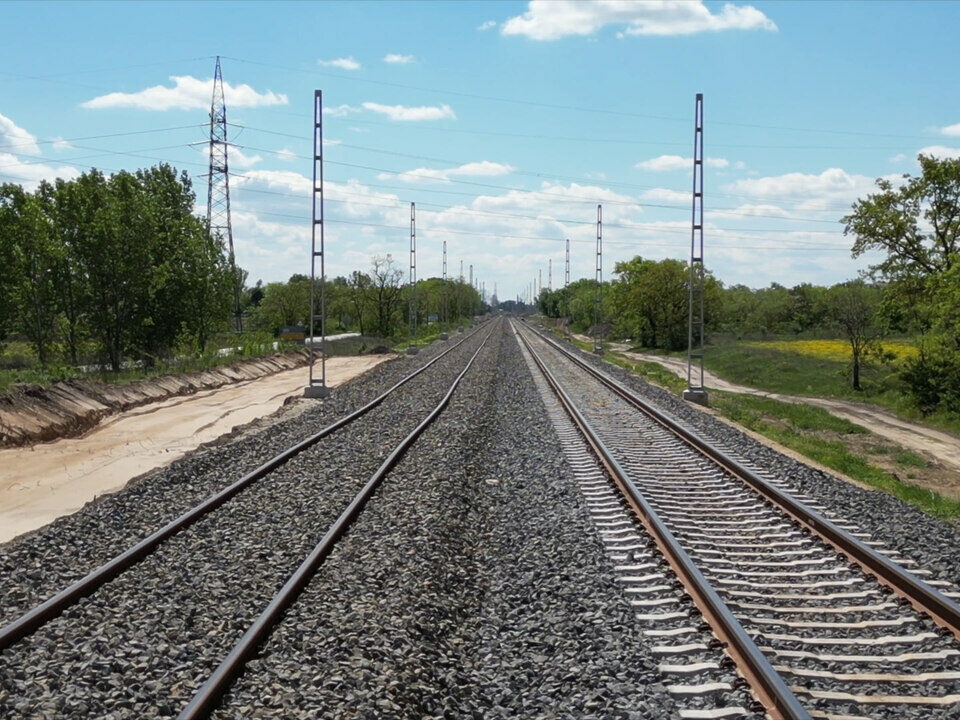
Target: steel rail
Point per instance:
(208, 696)
(95, 579)
(941, 609)
(767, 684)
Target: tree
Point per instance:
(854, 307)
(358, 292)
(34, 256)
(386, 293)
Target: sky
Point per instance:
(507, 123)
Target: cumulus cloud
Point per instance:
(952, 130)
(16, 139)
(555, 19)
(60, 144)
(661, 195)
(489, 24)
(397, 59)
(825, 191)
(677, 162)
(187, 93)
(484, 168)
(344, 63)
(404, 113)
(941, 152)
(341, 110)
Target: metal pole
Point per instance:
(317, 387)
(445, 289)
(550, 274)
(412, 300)
(566, 271)
(597, 300)
(695, 391)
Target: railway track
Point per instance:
(70, 612)
(819, 622)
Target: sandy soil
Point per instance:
(41, 483)
(941, 446)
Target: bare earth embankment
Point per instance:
(41, 483)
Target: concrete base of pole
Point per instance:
(444, 336)
(598, 351)
(460, 329)
(696, 395)
(412, 350)
(316, 392)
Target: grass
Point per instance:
(20, 366)
(821, 368)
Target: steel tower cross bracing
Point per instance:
(317, 386)
(597, 297)
(218, 188)
(695, 391)
(566, 270)
(413, 270)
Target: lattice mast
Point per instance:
(597, 297)
(695, 391)
(566, 269)
(446, 290)
(317, 386)
(218, 188)
(413, 270)
(550, 274)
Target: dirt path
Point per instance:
(41, 483)
(927, 441)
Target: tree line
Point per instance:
(110, 267)
(913, 291)
(375, 302)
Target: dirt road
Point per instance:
(46, 481)
(927, 441)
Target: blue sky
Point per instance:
(505, 122)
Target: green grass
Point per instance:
(250, 344)
(802, 429)
(792, 373)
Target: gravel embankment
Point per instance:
(139, 647)
(472, 586)
(931, 542)
(36, 565)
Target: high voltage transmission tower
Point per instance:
(597, 298)
(218, 188)
(695, 391)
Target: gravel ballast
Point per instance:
(473, 586)
(928, 540)
(36, 565)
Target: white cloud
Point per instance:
(952, 130)
(16, 139)
(760, 210)
(344, 63)
(235, 155)
(898, 158)
(288, 155)
(941, 152)
(826, 191)
(740, 165)
(341, 110)
(397, 59)
(60, 144)
(661, 195)
(403, 113)
(489, 24)
(676, 162)
(187, 93)
(484, 168)
(555, 19)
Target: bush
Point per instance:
(933, 377)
